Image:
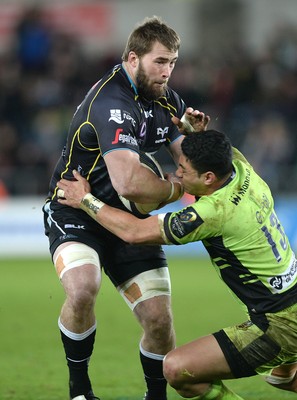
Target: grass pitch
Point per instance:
(32, 359)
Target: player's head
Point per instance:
(150, 56)
(205, 162)
(144, 36)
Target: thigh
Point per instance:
(153, 285)
(251, 350)
(247, 348)
(200, 360)
(78, 268)
(123, 261)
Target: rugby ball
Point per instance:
(148, 161)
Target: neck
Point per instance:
(128, 71)
(225, 180)
(218, 184)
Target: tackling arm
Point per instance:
(124, 225)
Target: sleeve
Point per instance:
(177, 108)
(115, 120)
(191, 224)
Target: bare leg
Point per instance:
(158, 338)
(193, 368)
(77, 320)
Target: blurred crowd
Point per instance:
(44, 75)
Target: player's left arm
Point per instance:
(122, 224)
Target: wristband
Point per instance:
(171, 192)
(187, 126)
(91, 205)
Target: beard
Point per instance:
(146, 89)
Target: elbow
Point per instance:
(130, 238)
(126, 190)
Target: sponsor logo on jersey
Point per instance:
(68, 236)
(162, 132)
(185, 222)
(237, 197)
(265, 208)
(148, 114)
(116, 116)
(188, 217)
(280, 282)
(73, 226)
(123, 138)
(142, 131)
(119, 117)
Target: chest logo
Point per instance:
(162, 132)
(116, 116)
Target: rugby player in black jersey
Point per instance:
(127, 111)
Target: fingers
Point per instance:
(198, 115)
(61, 194)
(192, 120)
(63, 183)
(76, 174)
(177, 122)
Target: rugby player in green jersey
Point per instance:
(234, 217)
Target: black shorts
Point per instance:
(120, 260)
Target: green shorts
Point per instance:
(249, 350)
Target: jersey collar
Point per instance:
(130, 80)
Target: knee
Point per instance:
(159, 326)
(82, 297)
(154, 317)
(172, 371)
(85, 296)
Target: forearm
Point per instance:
(122, 224)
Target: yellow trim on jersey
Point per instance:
(84, 147)
(99, 89)
(168, 106)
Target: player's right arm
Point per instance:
(135, 182)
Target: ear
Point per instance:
(133, 59)
(209, 178)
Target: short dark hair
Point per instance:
(151, 30)
(208, 151)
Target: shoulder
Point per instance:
(173, 102)
(112, 94)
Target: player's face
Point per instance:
(192, 182)
(154, 70)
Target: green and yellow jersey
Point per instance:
(244, 238)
